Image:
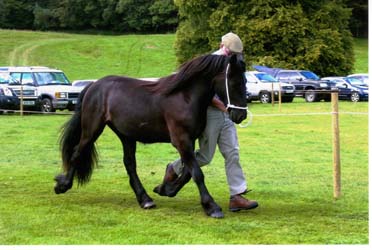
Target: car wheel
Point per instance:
(46, 106)
(327, 99)
(265, 97)
(310, 96)
(354, 97)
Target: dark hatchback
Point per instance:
(8, 99)
(349, 88)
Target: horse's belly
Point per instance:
(146, 130)
(151, 135)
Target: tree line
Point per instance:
(124, 15)
(306, 34)
(145, 16)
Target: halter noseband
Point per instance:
(229, 105)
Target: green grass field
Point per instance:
(286, 156)
(94, 56)
(90, 56)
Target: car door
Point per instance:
(292, 78)
(252, 85)
(344, 91)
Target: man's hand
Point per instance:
(218, 104)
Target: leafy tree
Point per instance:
(164, 15)
(192, 33)
(45, 18)
(135, 15)
(359, 18)
(276, 33)
(16, 14)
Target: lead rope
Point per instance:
(229, 105)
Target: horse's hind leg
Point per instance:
(130, 164)
(83, 157)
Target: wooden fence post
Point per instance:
(272, 95)
(280, 97)
(336, 146)
(21, 100)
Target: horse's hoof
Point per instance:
(160, 190)
(57, 190)
(164, 190)
(61, 186)
(217, 215)
(149, 205)
(60, 189)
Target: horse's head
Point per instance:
(231, 89)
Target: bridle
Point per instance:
(229, 105)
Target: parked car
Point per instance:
(362, 77)
(41, 88)
(82, 83)
(261, 85)
(349, 88)
(307, 84)
(8, 99)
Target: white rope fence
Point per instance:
(254, 115)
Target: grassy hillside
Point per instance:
(361, 55)
(94, 56)
(90, 56)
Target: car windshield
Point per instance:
(355, 81)
(82, 83)
(51, 78)
(265, 77)
(309, 75)
(5, 78)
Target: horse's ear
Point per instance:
(237, 59)
(233, 59)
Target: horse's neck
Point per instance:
(203, 92)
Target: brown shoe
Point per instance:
(238, 202)
(170, 175)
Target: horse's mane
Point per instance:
(202, 66)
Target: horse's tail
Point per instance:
(69, 140)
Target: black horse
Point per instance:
(173, 109)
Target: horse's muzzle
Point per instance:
(237, 115)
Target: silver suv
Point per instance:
(41, 88)
(261, 86)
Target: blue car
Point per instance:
(349, 88)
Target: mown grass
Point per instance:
(361, 55)
(94, 56)
(90, 56)
(287, 161)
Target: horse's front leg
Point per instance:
(185, 147)
(211, 208)
(129, 147)
(171, 188)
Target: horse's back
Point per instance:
(128, 107)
